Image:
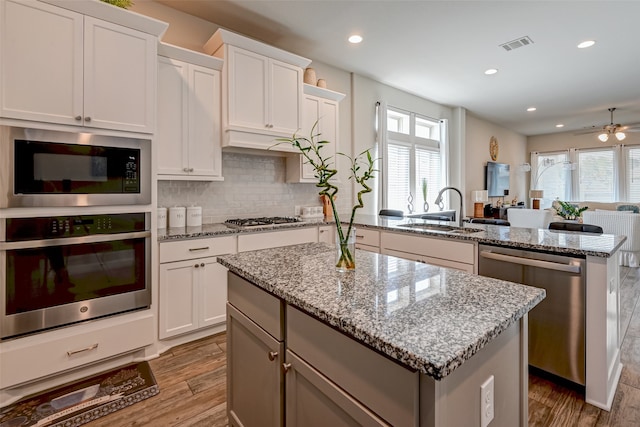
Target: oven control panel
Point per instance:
(54, 227)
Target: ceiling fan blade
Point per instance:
(588, 131)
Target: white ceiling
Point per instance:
(440, 49)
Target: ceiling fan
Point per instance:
(612, 129)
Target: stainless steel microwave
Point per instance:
(51, 168)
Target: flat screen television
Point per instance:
(497, 179)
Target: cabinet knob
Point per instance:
(87, 119)
(78, 118)
(273, 355)
(202, 264)
(185, 169)
(197, 265)
(286, 367)
(190, 169)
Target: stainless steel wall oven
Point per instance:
(65, 269)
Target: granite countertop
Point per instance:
(552, 241)
(427, 318)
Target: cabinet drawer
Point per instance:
(367, 237)
(274, 239)
(54, 352)
(430, 260)
(432, 247)
(260, 306)
(196, 248)
(379, 383)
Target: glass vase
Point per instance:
(346, 251)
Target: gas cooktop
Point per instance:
(258, 222)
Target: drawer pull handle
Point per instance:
(286, 367)
(273, 355)
(359, 236)
(91, 347)
(198, 249)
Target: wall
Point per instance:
(512, 150)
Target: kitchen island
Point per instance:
(395, 342)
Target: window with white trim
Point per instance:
(593, 174)
(414, 155)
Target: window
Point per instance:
(600, 175)
(414, 155)
(596, 177)
(552, 175)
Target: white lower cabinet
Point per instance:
(449, 253)
(193, 285)
(327, 234)
(368, 240)
(51, 353)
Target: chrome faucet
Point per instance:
(440, 205)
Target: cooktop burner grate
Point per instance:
(256, 222)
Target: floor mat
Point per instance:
(84, 400)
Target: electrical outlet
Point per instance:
(486, 402)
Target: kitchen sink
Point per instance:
(441, 228)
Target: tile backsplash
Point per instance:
(253, 186)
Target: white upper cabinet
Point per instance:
(60, 66)
(320, 106)
(188, 135)
(262, 91)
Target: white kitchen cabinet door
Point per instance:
(173, 107)
(213, 293)
(326, 234)
(285, 97)
(61, 67)
(179, 297)
(205, 152)
(119, 77)
(325, 113)
(247, 89)
(193, 295)
(41, 62)
(188, 135)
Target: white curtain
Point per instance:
(381, 149)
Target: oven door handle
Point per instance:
(32, 244)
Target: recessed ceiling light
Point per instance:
(355, 39)
(491, 71)
(586, 43)
(531, 109)
(559, 125)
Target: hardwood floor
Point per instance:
(192, 381)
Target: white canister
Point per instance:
(162, 218)
(177, 216)
(194, 216)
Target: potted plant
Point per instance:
(568, 211)
(362, 170)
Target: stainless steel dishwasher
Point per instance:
(557, 324)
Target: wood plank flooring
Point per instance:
(192, 381)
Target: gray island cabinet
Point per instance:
(394, 343)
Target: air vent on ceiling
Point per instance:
(519, 42)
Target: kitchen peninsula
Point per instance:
(395, 342)
(405, 238)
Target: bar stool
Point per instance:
(575, 226)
